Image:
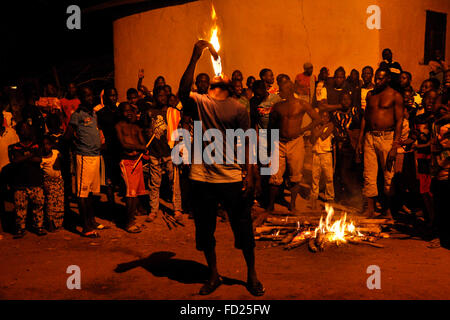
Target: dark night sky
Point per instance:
(35, 37)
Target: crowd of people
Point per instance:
(365, 134)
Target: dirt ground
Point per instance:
(163, 264)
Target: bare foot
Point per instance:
(178, 215)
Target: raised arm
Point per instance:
(188, 77)
(140, 77)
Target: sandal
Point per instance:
(434, 244)
(133, 229)
(41, 232)
(256, 289)
(151, 217)
(19, 234)
(90, 234)
(210, 287)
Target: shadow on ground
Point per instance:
(162, 264)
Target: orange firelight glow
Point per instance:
(337, 230)
(214, 40)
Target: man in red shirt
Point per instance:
(305, 83)
(70, 103)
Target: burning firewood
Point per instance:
(312, 245)
(373, 221)
(320, 241)
(274, 237)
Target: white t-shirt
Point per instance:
(47, 165)
(364, 92)
(321, 91)
(323, 146)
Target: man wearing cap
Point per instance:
(215, 182)
(305, 83)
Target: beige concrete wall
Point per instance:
(254, 34)
(403, 30)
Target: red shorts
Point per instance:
(133, 180)
(424, 182)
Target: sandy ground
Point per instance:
(163, 264)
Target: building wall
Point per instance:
(403, 30)
(280, 35)
(254, 34)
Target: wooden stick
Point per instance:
(269, 237)
(167, 222)
(376, 245)
(173, 220)
(142, 154)
(311, 245)
(270, 228)
(295, 244)
(372, 221)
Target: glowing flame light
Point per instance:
(214, 40)
(337, 230)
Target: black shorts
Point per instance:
(112, 169)
(206, 198)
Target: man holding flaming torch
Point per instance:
(214, 183)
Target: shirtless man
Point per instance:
(132, 142)
(380, 134)
(287, 116)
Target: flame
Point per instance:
(214, 40)
(338, 230)
(213, 13)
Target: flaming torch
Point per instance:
(214, 40)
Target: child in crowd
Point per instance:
(423, 124)
(347, 122)
(25, 157)
(441, 183)
(53, 184)
(322, 158)
(132, 143)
